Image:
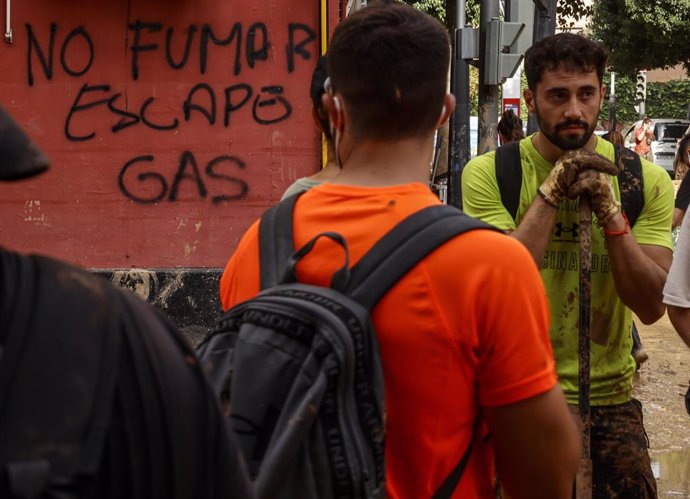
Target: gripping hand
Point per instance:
(598, 186)
(565, 172)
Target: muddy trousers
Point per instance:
(621, 468)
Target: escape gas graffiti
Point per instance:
(236, 100)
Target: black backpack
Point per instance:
(298, 365)
(100, 397)
(630, 180)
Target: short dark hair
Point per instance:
(568, 50)
(316, 90)
(390, 63)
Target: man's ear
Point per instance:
(529, 100)
(334, 108)
(446, 110)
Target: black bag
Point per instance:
(100, 397)
(299, 364)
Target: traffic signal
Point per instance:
(506, 41)
(641, 87)
(521, 11)
(501, 63)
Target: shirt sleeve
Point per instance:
(481, 197)
(241, 282)
(516, 359)
(677, 289)
(653, 226)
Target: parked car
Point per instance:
(667, 133)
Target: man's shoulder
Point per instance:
(490, 246)
(654, 174)
(486, 160)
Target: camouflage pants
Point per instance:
(621, 468)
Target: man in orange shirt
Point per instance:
(464, 334)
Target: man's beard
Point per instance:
(567, 142)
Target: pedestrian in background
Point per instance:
(615, 137)
(331, 168)
(681, 164)
(509, 128)
(644, 136)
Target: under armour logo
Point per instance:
(572, 230)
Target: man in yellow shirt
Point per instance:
(629, 265)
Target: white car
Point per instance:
(667, 133)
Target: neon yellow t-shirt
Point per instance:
(612, 365)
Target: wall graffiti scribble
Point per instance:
(269, 106)
(151, 186)
(255, 40)
(238, 101)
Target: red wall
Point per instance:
(155, 165)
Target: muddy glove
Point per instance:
(598, 187)
(566, 170)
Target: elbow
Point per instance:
(651, 314)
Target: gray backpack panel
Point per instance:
(298, 366)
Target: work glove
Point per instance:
(566, 170)
(598, 187)
(687, 401)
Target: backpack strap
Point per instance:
(276, 240)
(392, 257)
(445, 491)
(509, 176)
(403, 247)
(630, 182)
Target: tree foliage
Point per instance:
(643, 34)
(640, 34)
(567, 11)
(668, 99)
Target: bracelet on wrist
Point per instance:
(619, 232)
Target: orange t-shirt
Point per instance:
(467, 327)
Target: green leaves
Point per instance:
(643, 34)
(664, 99)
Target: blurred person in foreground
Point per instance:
(100, 395)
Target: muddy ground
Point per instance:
(661, 384)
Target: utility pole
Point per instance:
(544, 25)
(488, 93)
(459, 131)
(612, 106)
